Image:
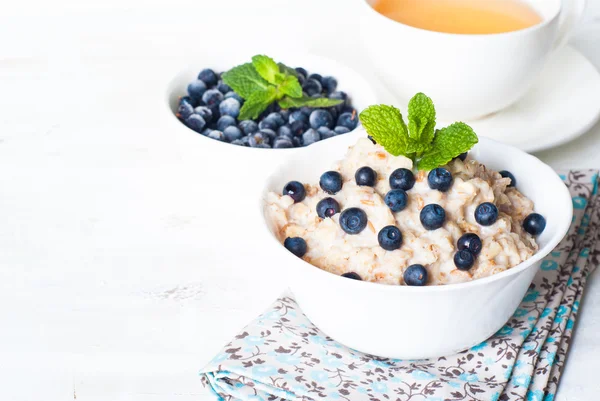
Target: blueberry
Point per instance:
(270, 124)
(297, 141)
(302, 71)
(283, 142)
(248, 126)
(224, 122)
(329, 84)
(232, 133)
(353, 220)
(463, 260)
(184, 110)
(415, 275)
(285, 114)
(306, 110)
(316, 77)
(196, 89)
(463, 156)
(208, 76)
(277, 118)
(218, 135)
(348, 120)
(238, 142)
(297, 115)
(320, 118)
(402, 178)
(325, 133)
(268, 134)
(508, 174)
(212, 97)
(195, 122)
(341, 130)
(206, 131)
(534, 224)
(440, 179)
(352, 275)
(432, 216)
(298, 127)
(331, 182)
(334, 113)
(312, 87)
(205, 112)
(263, 145)
(390, 238)
(256, 140)
(486, 214)
(187, 99)
(471, 242)
(285, 130)
(245, 140)
(365, 176)
(232, 94)
(396, 199)
(229, 107)
(296, 190)
(295, 245)
(327, 207)
(339, 96)
(223, 87)
(310, 136)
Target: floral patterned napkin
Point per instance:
(283, 356)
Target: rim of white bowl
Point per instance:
(561, 230)
(369, 95)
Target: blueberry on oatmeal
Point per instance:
(432, 216)
(415, 275)
(486, 214)
(353, 220)
(295, 245)
(390, 238)
(295, 190)
(402, 178)
(352, 276)
(327, 207)
(534, 224)
(366, 176)
(331, 182)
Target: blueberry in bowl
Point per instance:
(303, 99)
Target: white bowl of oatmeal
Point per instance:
(379, 314)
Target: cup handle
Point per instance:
(570, 14)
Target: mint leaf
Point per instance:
(386, 125)
(288, 102)
(244, 80)
(257, 103)
(421, 121)
(284, 69)
(266, 68)
(448, 143)
(290, 86)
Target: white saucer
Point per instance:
(561, 106)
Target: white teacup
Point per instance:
(467, 75)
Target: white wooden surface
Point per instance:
(115, 281)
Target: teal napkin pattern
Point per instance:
(282, 356)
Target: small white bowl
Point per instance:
(255, 164)
(418, 322)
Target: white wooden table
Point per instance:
(115, 283)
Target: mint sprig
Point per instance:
(418, 140)
(264, 81)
